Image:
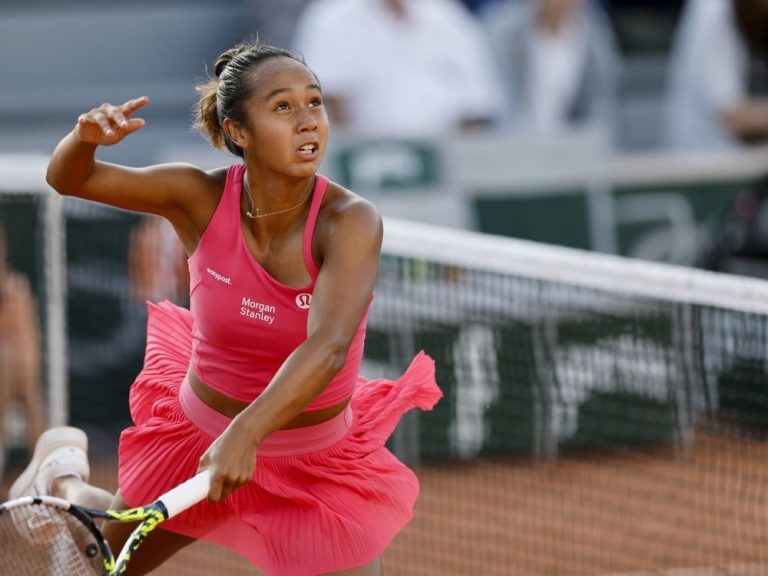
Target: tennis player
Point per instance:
(259, 380)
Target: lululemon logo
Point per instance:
(303, 300)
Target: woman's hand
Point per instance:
(109, 124)
(231, 460)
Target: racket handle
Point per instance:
(187, 493)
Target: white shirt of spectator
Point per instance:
(555, 69)
(707, 73)
(415, 77)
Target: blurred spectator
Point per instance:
(274, 21)
(157, 262)
(740, 246)
(476, 5)
(558, 61)
(717, 87)
(400, 67)
(20, 354)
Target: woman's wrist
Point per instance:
(76, 139)
(247, 426)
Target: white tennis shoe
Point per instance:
(58, 452)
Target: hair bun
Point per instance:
(221, 63)
(226, 57)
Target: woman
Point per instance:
(20, 353)
(253, 382)
(558, 62)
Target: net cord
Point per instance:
(612, 273)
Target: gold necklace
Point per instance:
(252, 216)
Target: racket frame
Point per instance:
(149, 517)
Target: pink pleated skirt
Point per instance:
(323, 498)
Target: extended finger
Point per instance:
(115, 116)
(133, 125)
(131, 106)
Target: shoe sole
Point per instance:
(49, 441)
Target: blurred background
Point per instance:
(538, 119)
(592, 128)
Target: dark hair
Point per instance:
(223, 95)
(752, 21)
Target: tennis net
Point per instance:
(601, 415)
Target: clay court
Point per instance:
(704, 513)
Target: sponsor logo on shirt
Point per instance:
(219, 277)
(303, 300)
(257, 310)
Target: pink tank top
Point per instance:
(246, 323)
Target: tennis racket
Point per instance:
(47, 536)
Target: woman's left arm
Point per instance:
(350, 245)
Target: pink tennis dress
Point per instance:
(323, 498)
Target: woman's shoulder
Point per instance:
(218, 176)
(344, 212)
(214, 176)
(197, 193)
(341, 203)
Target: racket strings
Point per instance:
(44, 540)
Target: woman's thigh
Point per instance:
(154, 551)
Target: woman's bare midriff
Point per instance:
(231, 407)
